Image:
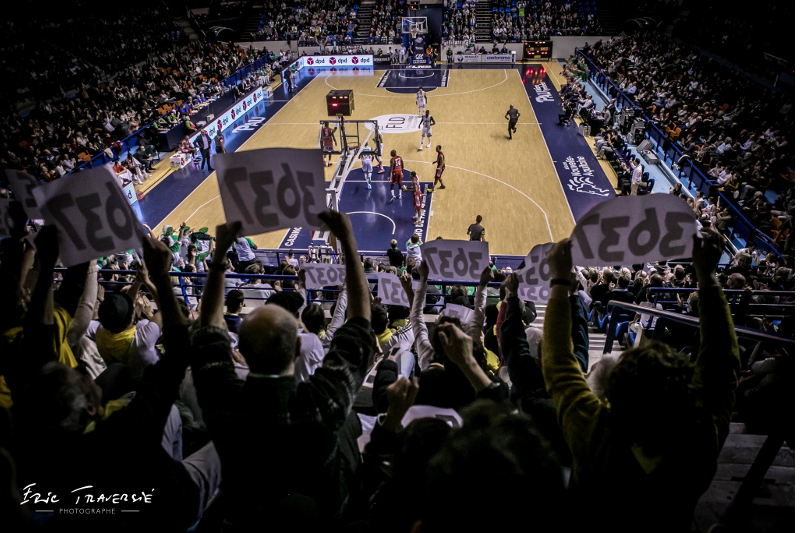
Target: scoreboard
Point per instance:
(538, 50)
(340, 102)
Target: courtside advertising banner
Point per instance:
(497, 58)
(226, 119)
(355, 60)
(468, 58)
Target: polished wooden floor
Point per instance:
(511, 183)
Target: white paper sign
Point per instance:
(464, 314)
(390, 290)
(456, 260)
(272, 189)
(320, 275)
(92, 215)
(634, 229)
(23, 184)
(416, 412)
(534, 279)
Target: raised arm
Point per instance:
(358, 295)
(425, 351)
(211, 311)
(718, 362)
(576, 406)
(479, 314)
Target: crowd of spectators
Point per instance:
(517, 21)
(737, 132)
(271, 416)
(53, 51)
(63, 132)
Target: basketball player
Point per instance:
(417, 199)
(426, 122)
(328, 140)
(379, 148)
(422, 99)
(512, 115)
(439, 168)
(396, 171)
(366, 166)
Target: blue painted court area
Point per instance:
(375, 219)
(582, 179)
(408, 81)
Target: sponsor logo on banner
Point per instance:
(468, 58)
(396, 123)
(316, 61)
(381, 59)
(543, 94)
(581, 180)
(226, 120)
(497, 58)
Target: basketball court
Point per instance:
(515, 185)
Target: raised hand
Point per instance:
(47, 245)
(157, 257)
(486, 276)
(338, 223)
(457, 344)
(401, 395)
(559, 258)
(227, 235)
(423, 270)
(706, 252)
(512, 285)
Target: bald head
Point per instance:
(268, 340)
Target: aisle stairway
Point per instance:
(483, 21)
(596, 339)
(251, 23)
(188, 28)
(364, 20)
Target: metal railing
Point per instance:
(187, 282)
(741, 332)
(670, 154)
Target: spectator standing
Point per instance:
(270, 414)
(203, 143)
(650, 451)
(475, 231)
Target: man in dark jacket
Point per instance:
(270, 427)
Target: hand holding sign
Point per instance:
(320, 275)
(23, 184)
(92, 215)
(272, 189)
(460, 260)
(534, 279)
(654, 227)
(390, 290)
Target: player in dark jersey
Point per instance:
(328, 140)
(396, 173)
(439, 168)
(512, 115)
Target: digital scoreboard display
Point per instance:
(538, 49)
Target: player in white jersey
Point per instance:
(422, 99)
(366, 166)
(379, 149)
(426, 122)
